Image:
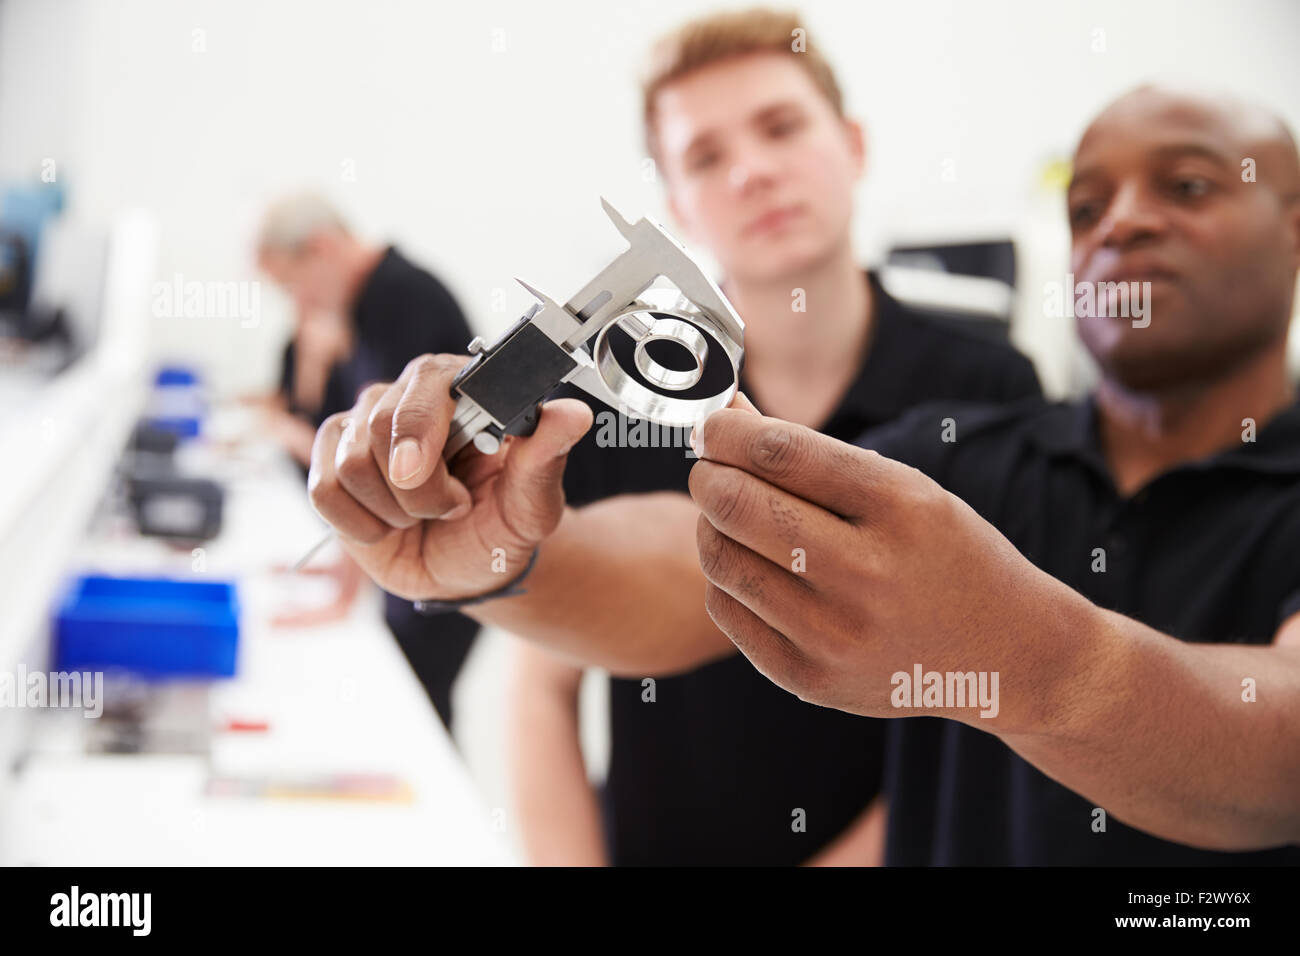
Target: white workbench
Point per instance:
(337, 699)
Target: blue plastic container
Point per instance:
(175, 375)
(185, 426)
(153, 627)
(177, 404)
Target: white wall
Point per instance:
(486, 164)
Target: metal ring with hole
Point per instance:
(624, 391)
(683, 334)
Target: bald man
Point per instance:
(1090, 611)
(1128, 566)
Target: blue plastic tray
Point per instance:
(177, 404)
(183, 426)
(154, 627)
(175, 375)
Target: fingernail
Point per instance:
(697, 441)
(405, 460)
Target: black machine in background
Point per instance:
(990, 259)
(162, 501)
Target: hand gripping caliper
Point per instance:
(499, 391)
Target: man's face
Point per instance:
(312, 276)
(759, 167)
(1158, 196)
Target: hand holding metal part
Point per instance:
(499, 390)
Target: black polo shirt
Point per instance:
(1206, 552)
(716, 768)
(400, 311)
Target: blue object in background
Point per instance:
(25, 208)
(177, 404)
(153, 627)
(176, 375)
(184, 426)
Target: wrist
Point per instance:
(509, 589)
(1073, 669)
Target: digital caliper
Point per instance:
(499, 390)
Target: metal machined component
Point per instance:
(499, 391)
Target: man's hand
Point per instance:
(899, 573)
(833, 568)
(418, 528)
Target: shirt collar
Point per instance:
(1068, 428)
(1275, 450)
(1071, 429)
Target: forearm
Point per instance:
(1156, 732)
(294, 434)
(618, 585)
(558, 813)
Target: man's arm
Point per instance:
(291, 432)
(1198, 743)
(617, 584)
(897, 575)
(558, 813)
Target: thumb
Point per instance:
(532, 493)
(740, 403)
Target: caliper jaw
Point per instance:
(500, 389)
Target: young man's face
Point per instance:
(1158, 196)
(759, 167)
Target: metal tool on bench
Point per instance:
(499, 392)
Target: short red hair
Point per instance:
(722, 36)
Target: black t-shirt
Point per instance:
(1207, 552)
(715, 770)
(401, 311)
